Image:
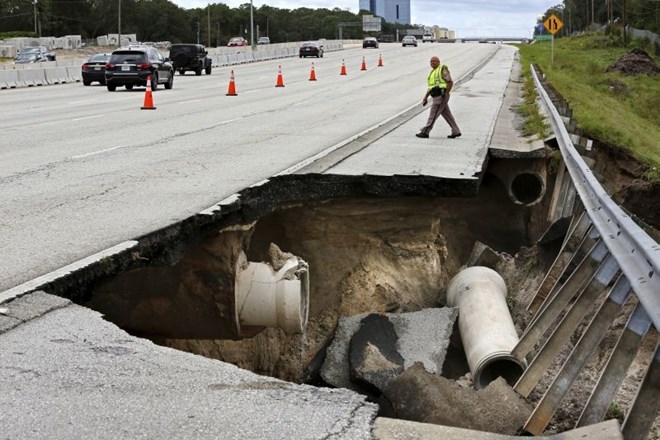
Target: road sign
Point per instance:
(553, 24)
(543, 37)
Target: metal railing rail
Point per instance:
(637, 254)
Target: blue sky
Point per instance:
(467, 17)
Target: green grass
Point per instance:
(535, 123)
(620, 110)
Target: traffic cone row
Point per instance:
(231, 90)
(148, 99)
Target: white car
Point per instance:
(428, 38)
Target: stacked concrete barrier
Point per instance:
(8, 51)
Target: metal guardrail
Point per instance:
(637, 254)
(604, 251)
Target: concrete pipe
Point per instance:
(524, 179)
(272, 298)
(485, 325)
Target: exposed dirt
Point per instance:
(635, 62)
(623, 177)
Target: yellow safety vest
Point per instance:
(436, 79)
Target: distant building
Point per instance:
(442, 33)
(392, 11)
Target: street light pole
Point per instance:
(119, 26)
(251, 25)
(35, 18)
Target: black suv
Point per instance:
(131, 67)
(190, 57)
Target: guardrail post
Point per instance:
(556, 304)
(620, 359)
(643, 411)
(575, 238)
(585, 300)
(595, 332)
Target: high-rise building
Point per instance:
(392, 11)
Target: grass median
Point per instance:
(609, 106)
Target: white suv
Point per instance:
(427, 38)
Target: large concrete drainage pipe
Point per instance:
(272, 297)
(525, 180)
(485, 325)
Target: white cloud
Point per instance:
(477, 18)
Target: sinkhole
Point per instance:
(320, 259)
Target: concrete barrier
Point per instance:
(57, 75)
(51, 76)
(31, 77)
(74, 73)
(11, 78)
(3, 80)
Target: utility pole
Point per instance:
(119, 26)
(35, 19)
(251, 25)
(208, 27)
(197, 31)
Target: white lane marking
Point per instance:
(231, 120)
(94, 153)
(188, 102)
(88, 117)
(107, 150)
(85, 101)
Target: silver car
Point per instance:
(409, 40)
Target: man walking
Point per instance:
(439, 86)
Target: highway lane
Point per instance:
(82, 169)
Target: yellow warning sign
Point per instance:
(553, 24)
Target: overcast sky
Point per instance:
(467, 17)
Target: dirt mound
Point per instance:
(635, 62)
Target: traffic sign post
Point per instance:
(552, 25)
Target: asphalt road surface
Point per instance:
(83, 169)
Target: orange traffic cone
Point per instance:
(380, 60)
(148, 99)
(312, 75)
(343, 68)
(231, 91)
(364, 64)
(280, 81)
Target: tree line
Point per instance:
(162, 20)
(579, 15)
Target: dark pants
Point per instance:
(440, 106)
